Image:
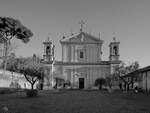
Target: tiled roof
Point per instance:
(145, 69)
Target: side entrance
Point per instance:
(81, 83)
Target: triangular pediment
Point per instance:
(82, 38)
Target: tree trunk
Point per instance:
(125, 86)
(128, 87)
(100, 87)
(32, 86)
(7, 45)
(5, 55)
(41, 86)
(110, 85)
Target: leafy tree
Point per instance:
(9, 28)
(124, 69)
(59, 81)
(31, 70)
(11, 63)
(100, 82)
(109, 80)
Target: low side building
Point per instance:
(140, 76)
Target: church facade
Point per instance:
(81, 62)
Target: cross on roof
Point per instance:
(114, 39)
(81, 24)
(48, 39)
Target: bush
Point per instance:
(39, 86)
(6, 91)
(100, 82)
(15, 85)
(32, 93)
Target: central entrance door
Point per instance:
(81, 83)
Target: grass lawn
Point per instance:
(76, 102)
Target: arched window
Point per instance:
(115, 50)
(48, 50)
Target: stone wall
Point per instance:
(6, 78)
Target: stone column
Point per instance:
(44, 50)
(69, 53)
(76, 55)
(73, 53)
(62, 52)
(65, 53)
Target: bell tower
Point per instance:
(114, 50)
(48, 50)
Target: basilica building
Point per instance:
(81, 62)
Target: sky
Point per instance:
(127, 20)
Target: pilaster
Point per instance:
(62, 52)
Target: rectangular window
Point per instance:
(81, 54)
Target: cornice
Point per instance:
(79, 43)
(77, 63)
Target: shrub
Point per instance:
(15, 85)
(32, 93)
(100, 82)
(6, 91)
